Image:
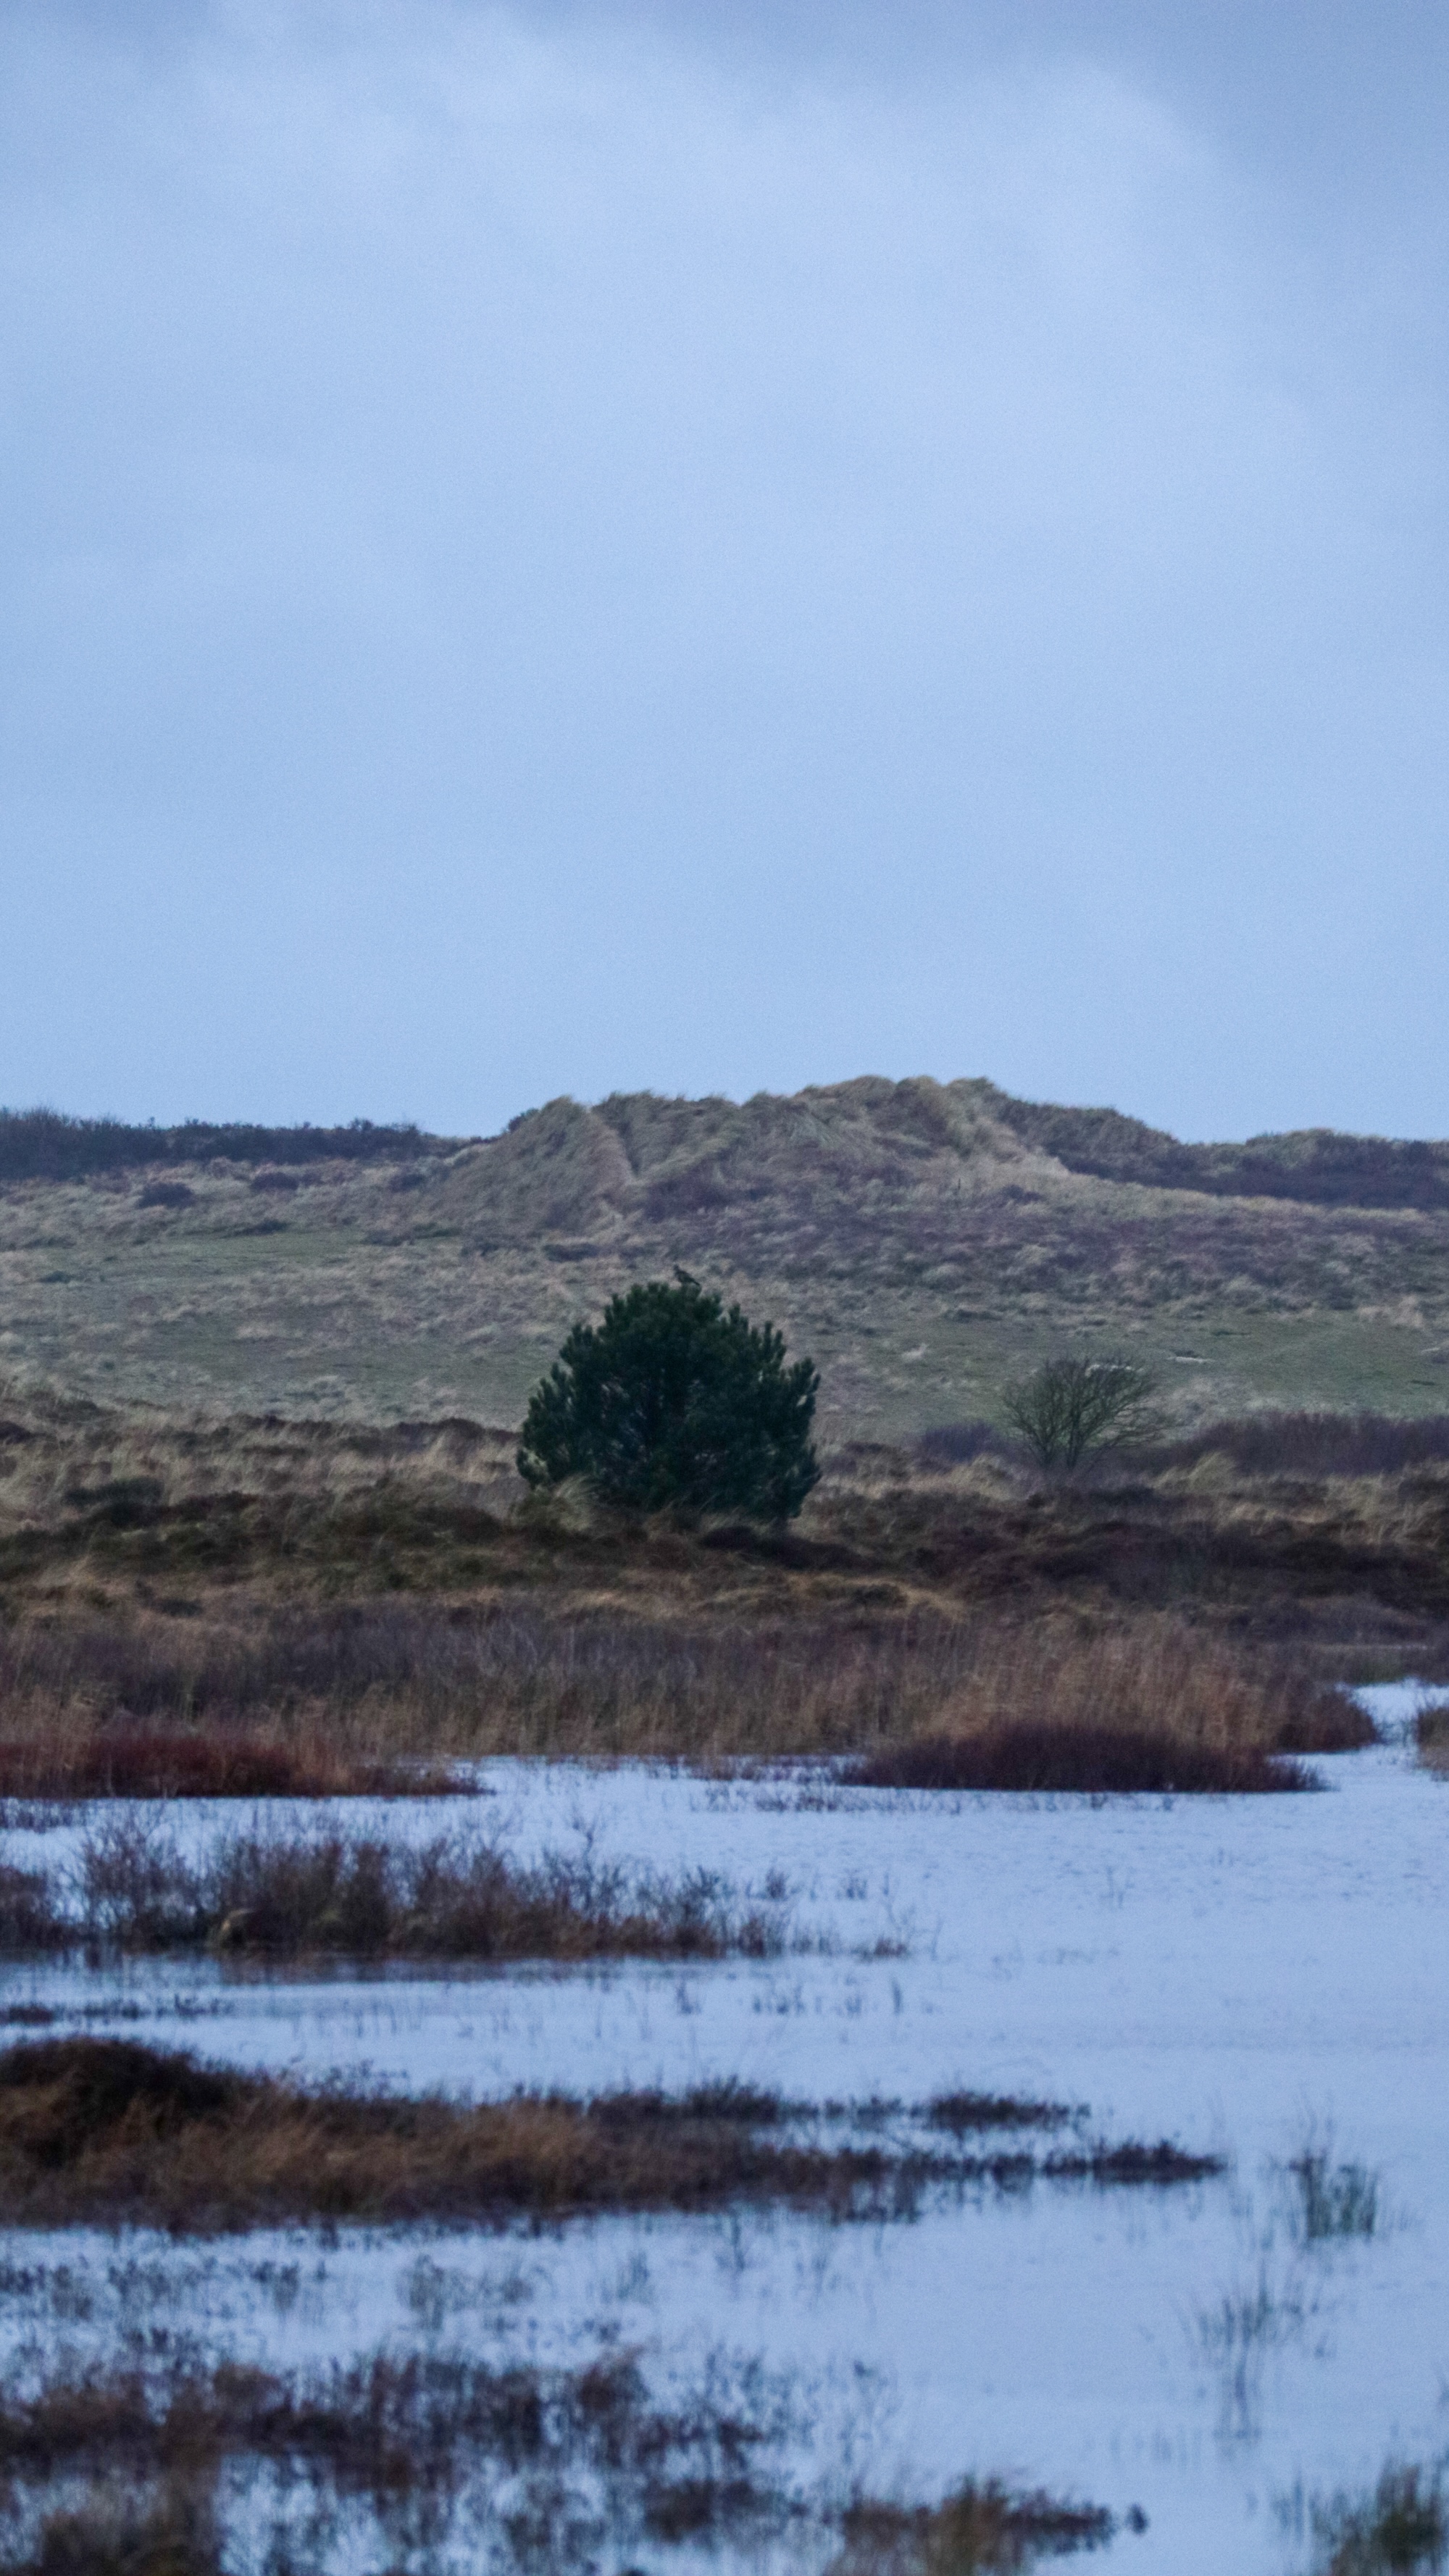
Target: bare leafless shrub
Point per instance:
(1068, 1408)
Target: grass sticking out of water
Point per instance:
(962, 2112)
(288, 1896)
(977, 2531)
(1399, 2528)
(442, 2461)
(1431, 1735)
(111, 2132)
(1334, 2200)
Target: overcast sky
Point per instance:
(722, 545)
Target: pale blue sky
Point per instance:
(725, 546)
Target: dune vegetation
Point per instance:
(280, 1606)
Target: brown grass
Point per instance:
(110, 2132)
(1048, 1757)
(306, 1607)
(1152, 1708)
(298, 1895)
(981, 2530)
(387, 1695)
(526, 2468)
(124, 1761)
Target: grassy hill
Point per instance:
(923, 1240)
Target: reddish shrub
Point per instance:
(1036, 1754)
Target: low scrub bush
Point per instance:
(1040, 1755)
(1275, 1443)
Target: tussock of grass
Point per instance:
(299, 1895)
(1047, 1756)
(981, 2530)
(1401, 2529)
(1431, 1736)
(1334, 2200)
(963, 2112)
(111, 2132)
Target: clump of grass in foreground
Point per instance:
(294, 1896)
(1400, 2529)
(111, 2132)
(979, 2528)
(1334, 2200)
(515, 2469)
(1049, 1755)
(1431, 1736)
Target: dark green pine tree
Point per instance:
(674, 1402)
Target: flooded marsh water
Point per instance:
(1261, 1977)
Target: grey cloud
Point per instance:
(574, 546)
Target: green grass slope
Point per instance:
(923, 1240)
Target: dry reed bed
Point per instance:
(359, 1695)
(109, 2132)
(296, 1895)
(522, 2467)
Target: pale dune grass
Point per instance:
(361, 1697)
